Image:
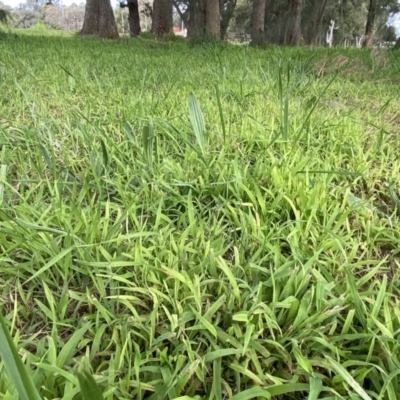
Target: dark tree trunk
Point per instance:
(204, 18)
(226, 9)
(91, 21)
(201, 6)
(213, 23)
(369, 28)
(293, 27)
(99, 20)
(314, 28)
(276, 18)
(162, 18)
(258, 23)
(192, 18)
(397, 44)
(134, 18)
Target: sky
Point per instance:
(15, 3)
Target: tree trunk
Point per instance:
(314, 28)
(258, 23)
(293, 27)
(192, 18)
(99, 20)
(213, 27)
(204, 18)
(162, 18)
(90, 22)
(200, 17)
(134, 18)
(226, 9)
(369, 28)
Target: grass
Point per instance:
(43, 32)
(200, 222)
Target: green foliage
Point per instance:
(174, 38)
(146, 35)
(39, 26)
(205, 39)
(208, 222)
(4, 16)
(27, 15)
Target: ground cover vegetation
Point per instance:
(187, 221)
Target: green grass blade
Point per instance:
(217, 384)
(279, 390)
(221, 114)
(348, 378)
(198, 124)
(359, 305)
(89, 387)
(315, 388)
(251, 394)
(3, 174)
(14, 366)
(148, 141)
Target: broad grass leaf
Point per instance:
(3, 173)
(358, 303)
(215, 307)
(251, 394)
(228, 272)
(279, 390)
(54, 370)
(217, 383)
(197, 120)
(50, 263)
(219, 354)
(89, 387)
(105, 153)
(247, 337)
(206, 324)
(246, 372)
(148, 141)
(221, 114)
(394, 197)
(304, 363)
(348, 378)
(14, 366)
(241, 316)
(69, 348)
(315, 388)
(388, 386)
(46, 157)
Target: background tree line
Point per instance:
(281, 22)
(45, 15)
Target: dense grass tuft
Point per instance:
(200, 221)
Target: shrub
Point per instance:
(39, 26)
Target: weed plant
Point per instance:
(200, 222)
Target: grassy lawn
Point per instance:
(43, 32)
(200, 222)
